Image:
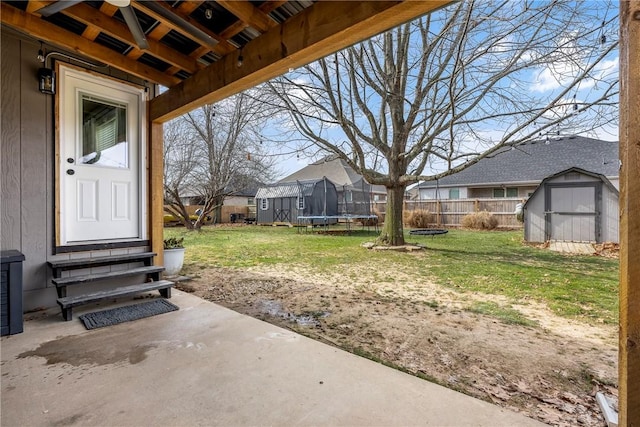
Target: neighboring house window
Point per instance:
(376, 197)
(251, 201)
(502, 192)
(454, 193)
(300, 203)
(264, 204)
(349, 196)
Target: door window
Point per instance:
(104, 133)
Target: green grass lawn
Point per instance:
(497, 263)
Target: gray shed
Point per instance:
(574, 205)
(285, 201)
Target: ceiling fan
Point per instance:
(123, 5)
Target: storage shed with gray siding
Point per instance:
(285, 201)
(573, 205)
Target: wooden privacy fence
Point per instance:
(241, 212)
(450, 212)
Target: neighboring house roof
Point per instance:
(578, 170)
(287, 189)
(336, 170)
(250, 189)
(536, 160)
(246, 186)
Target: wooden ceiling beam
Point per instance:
(34, 6)
(250, 14)
(314, 33)
(51, 33)
(92, 33)
(271, 5)
(238, 26)
(88, 16)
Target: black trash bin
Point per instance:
(233, 218)
(11, 294)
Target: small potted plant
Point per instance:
(173, 255)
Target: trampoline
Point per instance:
(428, 232)
(326, 220)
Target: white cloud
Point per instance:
(600, 72)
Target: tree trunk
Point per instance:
(392, 231)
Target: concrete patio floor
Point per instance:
(207, 365)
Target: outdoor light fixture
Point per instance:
(47, 76)
(47, 81)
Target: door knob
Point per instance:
(70, 171)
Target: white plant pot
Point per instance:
(173, 259)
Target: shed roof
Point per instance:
(536, 160)
(603, 178)
(335, 169)
(287, 189)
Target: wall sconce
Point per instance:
(47, 81)
(47, 76)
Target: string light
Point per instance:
(240, 59)
(41, 54)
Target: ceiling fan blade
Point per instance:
(134, 26)
(119, 3)
(56, 7)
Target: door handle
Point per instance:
(70, 171)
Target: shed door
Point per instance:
(282, 210)
(573, 212)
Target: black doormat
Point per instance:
(113, 316)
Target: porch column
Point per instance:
(156, 190)
(629, 345)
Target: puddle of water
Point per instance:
(274, 308)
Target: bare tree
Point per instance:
(211, 153)
(436, 95)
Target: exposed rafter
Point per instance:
(46, 31)
(249, 14)
(103, 23)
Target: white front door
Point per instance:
(100, 152)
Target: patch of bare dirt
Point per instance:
(550, 372)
